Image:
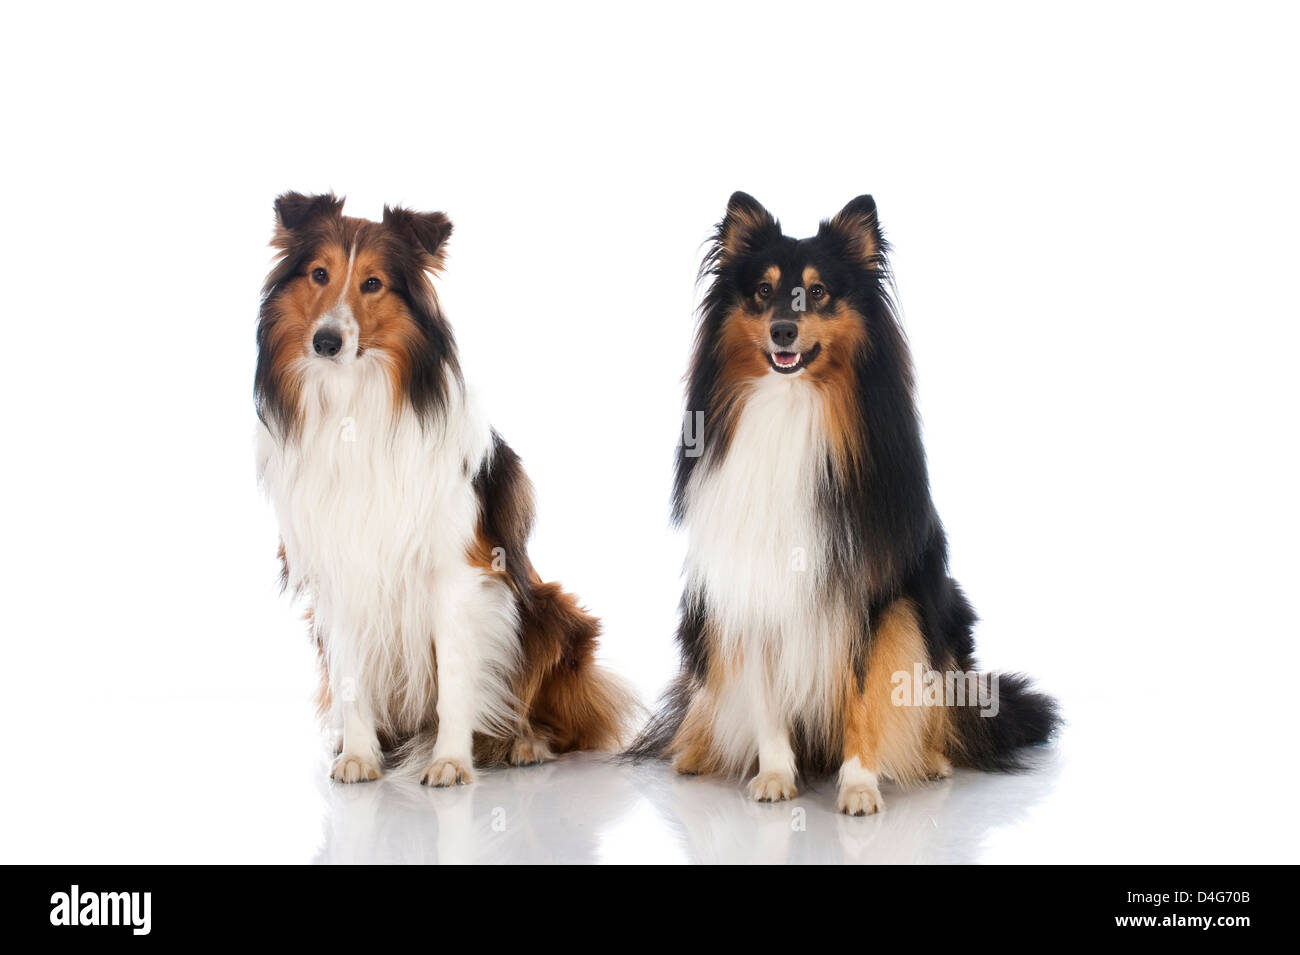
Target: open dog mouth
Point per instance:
(788, 362)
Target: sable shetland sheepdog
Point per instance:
(817, 570)
(405, 517)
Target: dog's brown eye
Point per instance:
(765, 290)
(371, 284)
(320, 276)
(817, 292)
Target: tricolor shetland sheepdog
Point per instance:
(817, 585)
(405, 517)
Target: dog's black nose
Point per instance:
(327, 342)
(784, 333)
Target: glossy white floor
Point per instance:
(209, 781)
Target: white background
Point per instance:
(1094, 217)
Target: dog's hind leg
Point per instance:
(692, 747)
(529, 749)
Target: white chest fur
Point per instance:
(376, 513)
(756, 552)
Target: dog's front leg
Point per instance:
(457, 674)
(361, 756)
(776, 761)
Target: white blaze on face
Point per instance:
(339, 316)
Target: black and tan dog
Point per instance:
(819, 627)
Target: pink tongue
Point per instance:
(786, 358)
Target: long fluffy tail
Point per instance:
(1023, 717)
(572, 701)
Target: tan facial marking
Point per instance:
(383, 321)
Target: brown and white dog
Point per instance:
(405, 517)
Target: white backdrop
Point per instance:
(1094, 219)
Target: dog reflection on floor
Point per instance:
(945, 821)
(553, 813)
(566, 812)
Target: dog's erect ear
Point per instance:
(424, 230)
(858, 226)
(745, 225)
(293, 210)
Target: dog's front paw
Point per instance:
(351, 768)
(447, 772)
(859, 799)
(772, 787)
(528, 751)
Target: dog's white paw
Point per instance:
(351, 768)
(447, 772)
(772, 787)
(859, 790)
(859, 799)
(526, 751)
